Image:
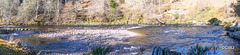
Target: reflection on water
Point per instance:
(38, 40)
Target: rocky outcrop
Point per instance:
(234, 32)
(234, 28)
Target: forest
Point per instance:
(112, 12)
(54, 12)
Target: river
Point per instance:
(174, 37)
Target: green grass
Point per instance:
(10, 48)
(198, 50)
(99, 51)
(113, 4)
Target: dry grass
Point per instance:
(175, 12)
(11, 48)
(200, 12)
(8, 48)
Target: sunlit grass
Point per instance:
(11, 48)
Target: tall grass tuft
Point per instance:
(99, 51)
(163, 51)
(198, 50)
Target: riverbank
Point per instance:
(12, 48)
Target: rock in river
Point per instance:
(234, 34)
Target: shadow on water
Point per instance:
(38, 40)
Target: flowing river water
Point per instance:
(174, 37)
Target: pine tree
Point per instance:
(113, 4)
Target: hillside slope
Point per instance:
(95, 12)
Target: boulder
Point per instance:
(235, 35)
(233, 29)
(234, 32)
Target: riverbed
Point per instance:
(124, 39)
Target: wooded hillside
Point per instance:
(85, 12)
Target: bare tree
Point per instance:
(48, 7)
(159, 3)
(8, 9)
(57, 10)
(27, 9)
(36, 9)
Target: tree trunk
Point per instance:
(37, 9)
(58, 9)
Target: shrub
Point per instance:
(214, 21)
(198, 50)
(113, 4)
(159, 51)
(141, 50)
(99, 51)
